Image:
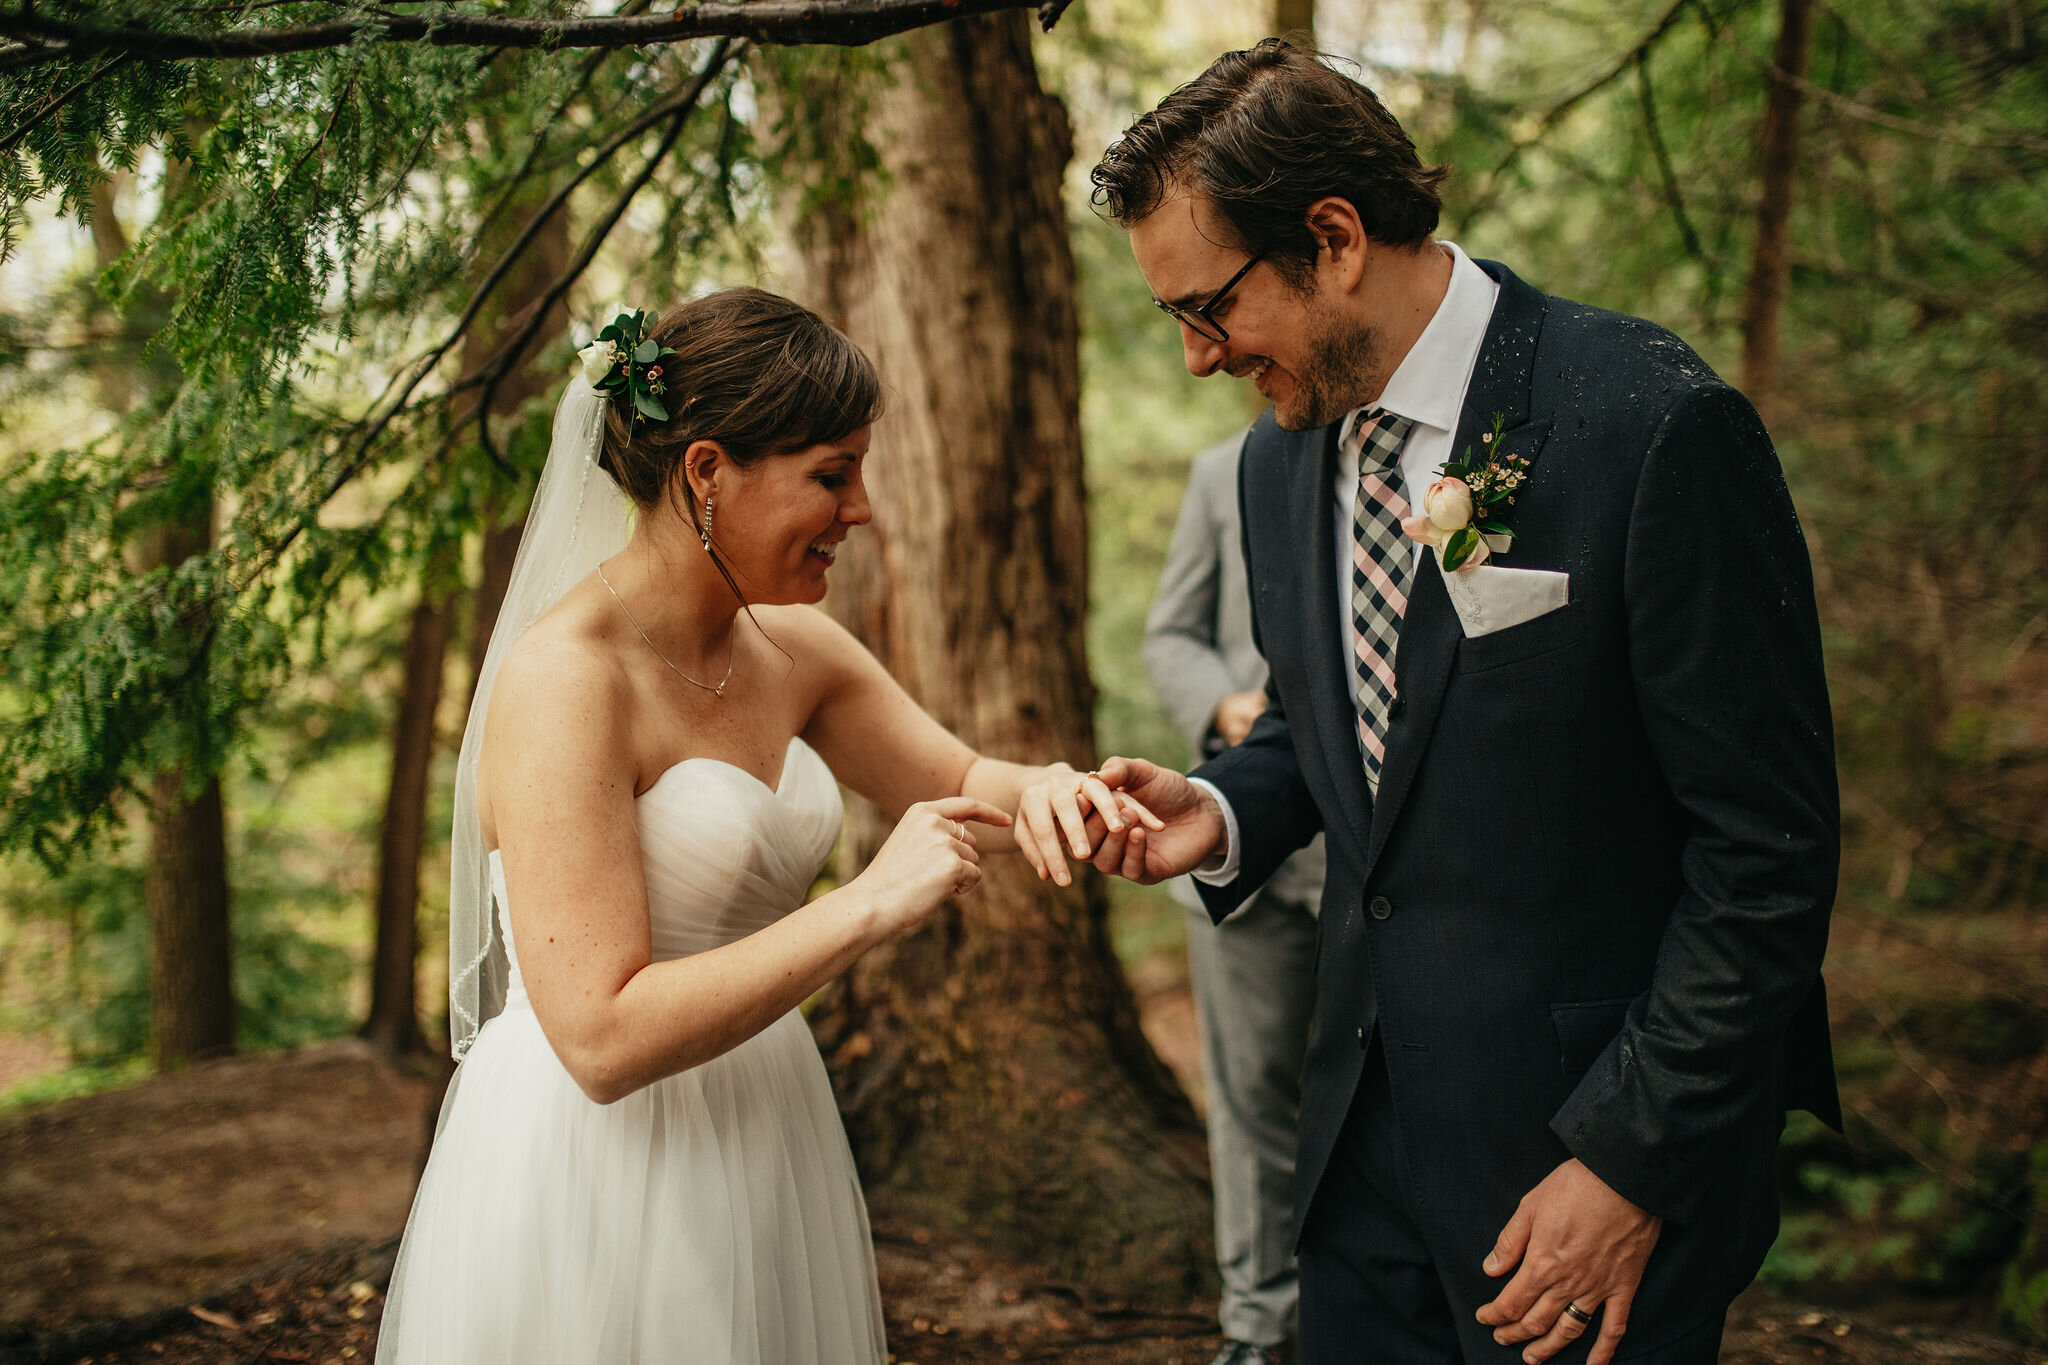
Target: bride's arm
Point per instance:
(560, 781)
(886, 747)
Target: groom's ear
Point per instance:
(1341, 241)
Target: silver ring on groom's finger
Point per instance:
(1578, 1314)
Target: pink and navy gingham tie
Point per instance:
(1382, 567)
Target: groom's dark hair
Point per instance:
(1263, 134)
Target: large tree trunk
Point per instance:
(990, 1068)
(393, 1022)
(185, 888)
(1295, 16)
(1770, 270)
(185, 884)
(185, 877)
(500, 549)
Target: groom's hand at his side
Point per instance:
(1577, 1242)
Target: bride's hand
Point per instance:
(1076, 807)
(928, 857)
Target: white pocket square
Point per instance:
(1491, 598)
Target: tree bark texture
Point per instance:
(393, 1022)
(1294, 16)
(185, 889)
(1770, 270)
(185, 883)
(990, 1067)
(499, 551)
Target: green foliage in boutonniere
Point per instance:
(624, 363)
(1464, 513)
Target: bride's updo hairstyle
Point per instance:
(754, 372)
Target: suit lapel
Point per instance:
(1329, 659)
(1430, 630)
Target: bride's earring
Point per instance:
(704, 532)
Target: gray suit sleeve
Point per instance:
(1187, 669)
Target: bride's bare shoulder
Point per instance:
(563, 669)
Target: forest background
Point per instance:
(239, 617)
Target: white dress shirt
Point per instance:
(1428, 388)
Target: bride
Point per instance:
(639, 1158)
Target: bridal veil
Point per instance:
(579, 518)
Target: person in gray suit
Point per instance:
(1254, 974)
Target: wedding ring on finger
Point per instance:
(1578, 1314)
(960, 830)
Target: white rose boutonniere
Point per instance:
(1464, 513)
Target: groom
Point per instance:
(1580, 798)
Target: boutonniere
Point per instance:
(1465, 513)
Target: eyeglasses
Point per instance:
(1198, 319)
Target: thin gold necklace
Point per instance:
(730, 659)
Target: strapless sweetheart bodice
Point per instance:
(723, 853)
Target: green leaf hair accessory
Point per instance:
(624, 363)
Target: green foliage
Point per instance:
(84, 978)
(72, 1083)
(323, 221)
(1914, 413)
(2023, 1292)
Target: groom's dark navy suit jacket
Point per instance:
(1587, 911)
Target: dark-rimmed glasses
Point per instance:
(1198, 319)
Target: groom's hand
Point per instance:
(1128, 817)
(1186, 830)
(1578, 1243)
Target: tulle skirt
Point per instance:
(713, 1217)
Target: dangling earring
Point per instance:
(704, 532)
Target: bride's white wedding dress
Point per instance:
(713, 1217)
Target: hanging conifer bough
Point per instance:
(336, 226)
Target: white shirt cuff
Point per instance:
(1220, 869)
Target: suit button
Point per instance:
(1361, 1038)
(1381, 907)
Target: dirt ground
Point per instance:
(246, 1211)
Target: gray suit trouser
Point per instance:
(1254, 984)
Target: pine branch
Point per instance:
(678, 111)
(501, 364)
(845, 23)
(1551, 117)
(56, 102)
(419, 371)
(1669, 176)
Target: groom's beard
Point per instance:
(1343, 369)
